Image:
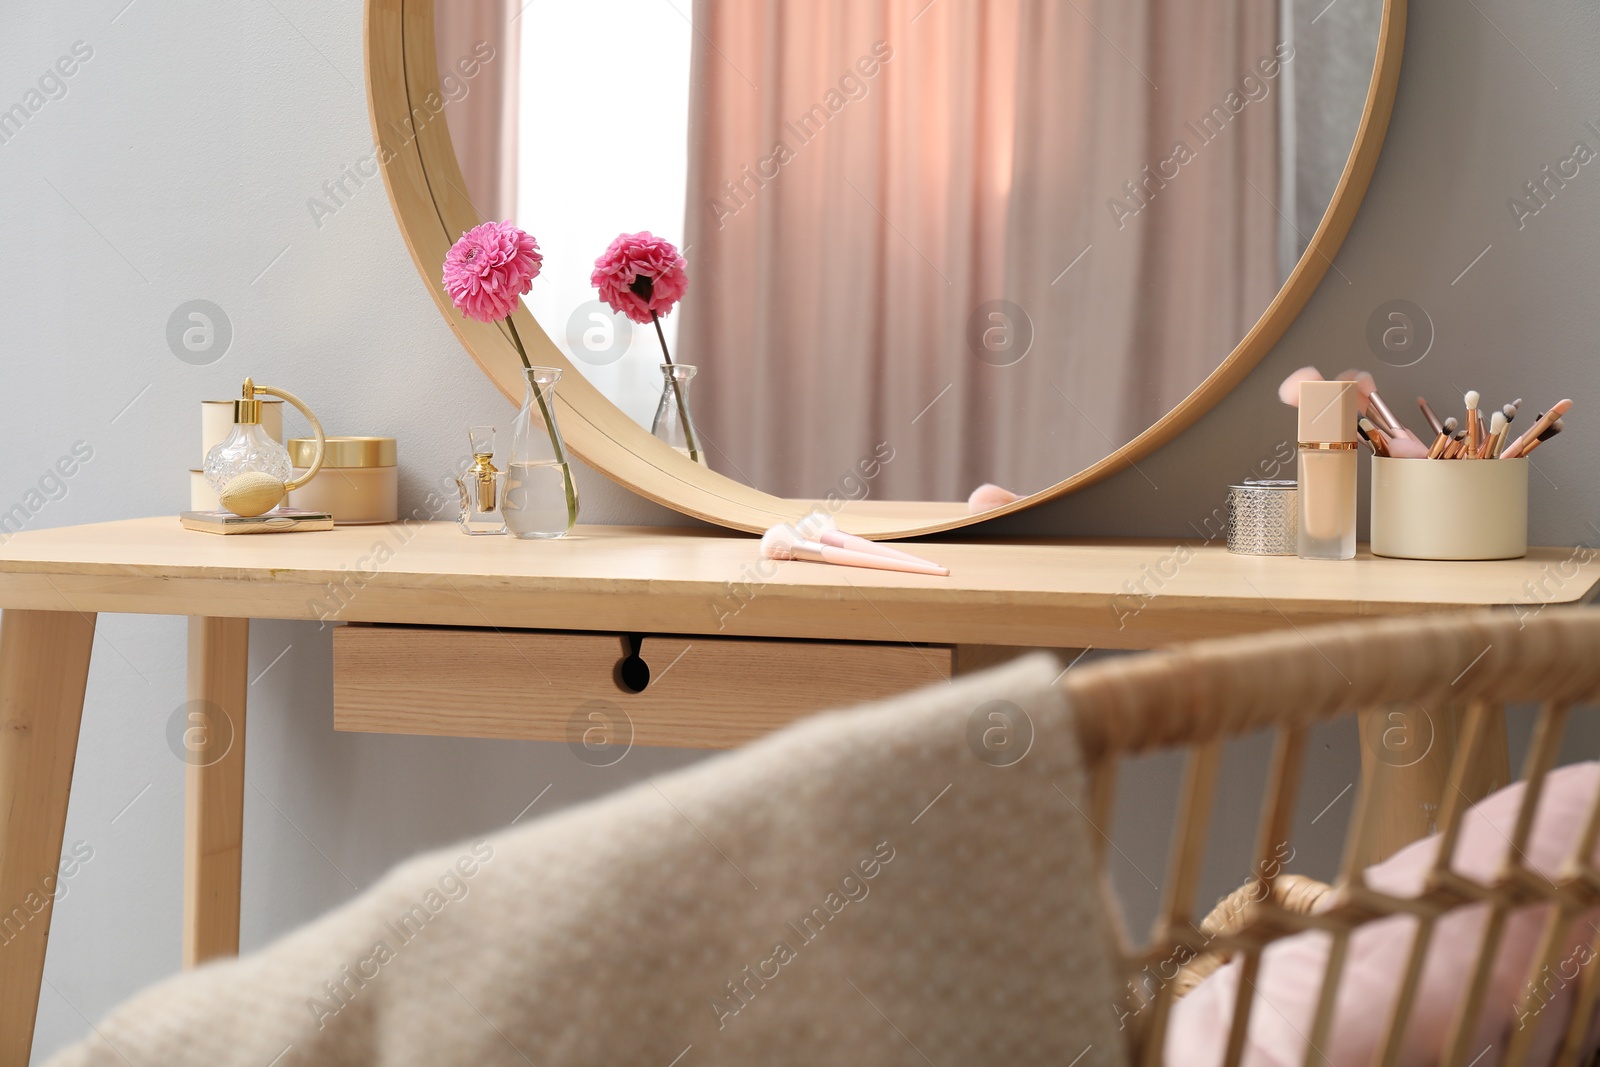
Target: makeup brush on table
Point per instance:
(785, 542)
(819, 526)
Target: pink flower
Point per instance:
(489, 269)
(639, 274)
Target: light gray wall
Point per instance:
(178, 166)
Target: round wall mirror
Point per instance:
(932, 245)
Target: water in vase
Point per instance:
(540, 497)
(536, 499)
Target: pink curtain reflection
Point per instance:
(482, 108)
(876, 186)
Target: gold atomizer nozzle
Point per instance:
(247, 409)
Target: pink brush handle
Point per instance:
(848, 558)
(840, 539)
(1514, 449)
(1379, 413)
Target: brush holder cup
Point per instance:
(1449, 508)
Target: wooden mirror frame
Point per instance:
(427, 191)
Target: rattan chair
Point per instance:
(1198, 697)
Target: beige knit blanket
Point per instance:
(909, 883)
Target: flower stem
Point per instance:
(683, 409)
(550, 428)
(511, 328)
(661, 337)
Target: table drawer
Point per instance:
(700, 692)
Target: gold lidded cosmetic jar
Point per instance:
(1264, 517)
(359, 482)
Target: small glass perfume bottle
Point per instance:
(481, 486)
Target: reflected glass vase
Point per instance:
(540, 499)
(674, 421)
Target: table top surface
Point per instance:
(1120, 593)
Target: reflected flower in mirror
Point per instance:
(641, 276)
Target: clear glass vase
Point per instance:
(674, 421)
(540, 498)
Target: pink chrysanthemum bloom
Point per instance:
(490, 268)
(639, 274)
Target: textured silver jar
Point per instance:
(1263, 518)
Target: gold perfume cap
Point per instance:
(247, 409)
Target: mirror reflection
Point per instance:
(958, 241)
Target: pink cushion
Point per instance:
(1292, 969)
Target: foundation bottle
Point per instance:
(1327, 470)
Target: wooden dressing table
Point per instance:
(491, 637)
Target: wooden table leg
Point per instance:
(1407, 751)
(44, 667)
(214, 787)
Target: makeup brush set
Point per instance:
(1474, 436)
(1478, 440)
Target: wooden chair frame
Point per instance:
(1200, 696)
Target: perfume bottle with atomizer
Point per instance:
(250, 471)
